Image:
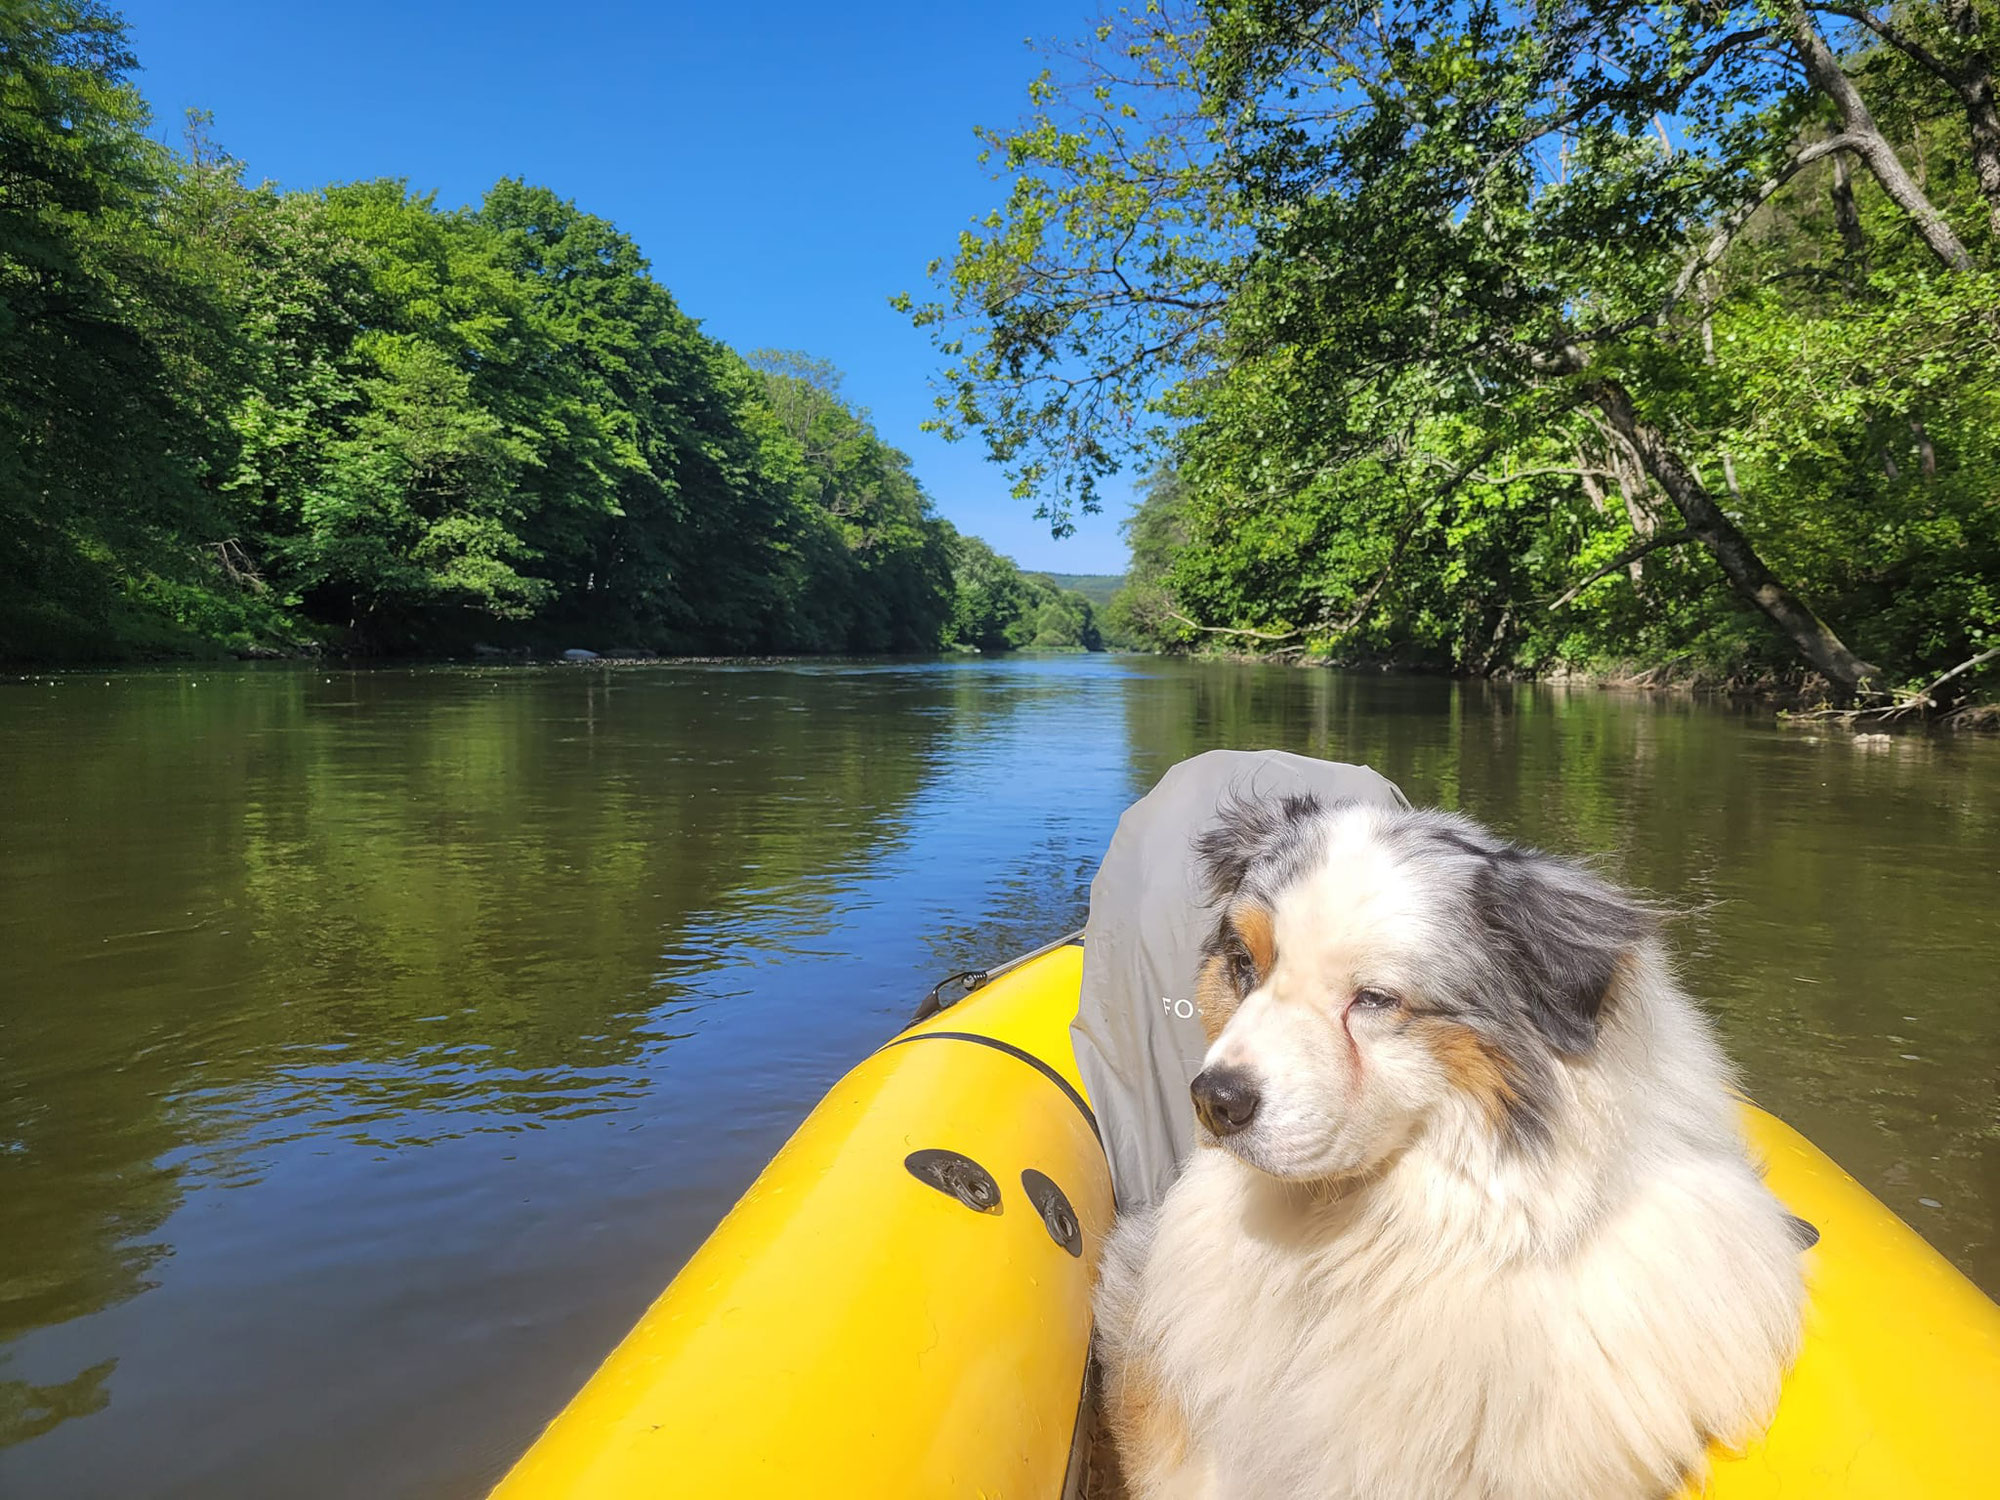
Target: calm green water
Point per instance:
(373, 1046)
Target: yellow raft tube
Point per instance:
(900, 1305)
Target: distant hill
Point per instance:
(1096, 587)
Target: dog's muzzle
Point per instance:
(1225, 1099)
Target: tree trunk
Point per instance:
(1824, 72)
(1746, 571)
(1592, 490)
(1984, 121)
(1497, 642)
(1847, 217)
(1926, 450)
(1973, 78)
(1708, 354)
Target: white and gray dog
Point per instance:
(1472, 1215)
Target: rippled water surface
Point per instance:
(374, 1045)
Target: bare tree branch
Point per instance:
(1624, 559)
(1731, 226)
(1924, 694)
(1918, 702)
(1259, 635)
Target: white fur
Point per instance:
(1374, 1295)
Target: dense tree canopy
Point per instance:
(1517, 336)
(234, 416)
(996, 607)
(113, 345)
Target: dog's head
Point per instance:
(1374, 972)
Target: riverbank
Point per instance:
(1795, 698)
(1794, 702)
(238, 420)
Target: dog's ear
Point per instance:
(1560, 933)
(1249, 831)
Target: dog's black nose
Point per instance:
(1225, 1098)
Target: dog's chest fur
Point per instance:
(1374, 1346)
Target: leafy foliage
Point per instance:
(1144, 614)
(996, 607)
(249, 419)
(112, 346)
(1515, 337)
(894, 585)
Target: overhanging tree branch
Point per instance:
(1258, 635)
(1746, 571)
(1655, 100)
(1624, 559)
(1824, 72)
(1967, 71)
(1725, 234)
(1894, 35)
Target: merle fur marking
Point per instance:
(1554, 934)
(1379, 1283)
(1270, 838)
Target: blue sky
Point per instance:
(786, 166)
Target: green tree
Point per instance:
(1059, 619)
(1418, 289)
(889, 583)
(112, 343)
(691, 488)
(990, 600)
(995, 607)
(1144, 614)
(237, 417)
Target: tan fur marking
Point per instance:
(1148, 1431)
(1472, 1067)
(1253, 926)
(1215, 998)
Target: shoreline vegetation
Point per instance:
(1396, 406)
(1505, 342)
(240, 420)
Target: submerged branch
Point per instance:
(1920, 701)
(1923, 697)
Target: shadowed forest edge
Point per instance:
(257, 421)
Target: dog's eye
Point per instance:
(1243, 971)
(1375, 1000)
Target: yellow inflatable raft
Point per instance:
(900, 1305)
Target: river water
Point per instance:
(374, 1045)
